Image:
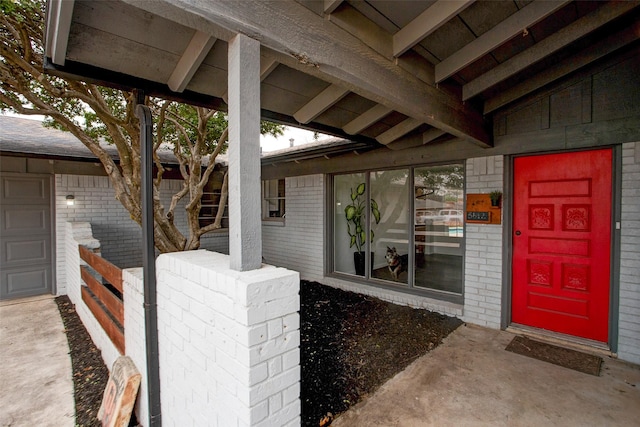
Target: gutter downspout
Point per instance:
(149, 262)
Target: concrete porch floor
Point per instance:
(36, 388)
(471, 380)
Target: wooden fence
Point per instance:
(104, 299)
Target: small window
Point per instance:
(273, 200)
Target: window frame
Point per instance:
(410, 287)
(266, 200)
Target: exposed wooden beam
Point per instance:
(320, 103)
(331, 5)
(426, 23)
(191, 59)
(431, 135)
(307, 42)
(412, 142)
(505, 30)
(594, 52)
(549, 45)
(58, 26)
(398, 131)
(366, 119)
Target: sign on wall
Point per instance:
(480, 210)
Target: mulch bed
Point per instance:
(350, 345)
(90, 375)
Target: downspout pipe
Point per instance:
(149, 262)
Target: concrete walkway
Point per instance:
(36, 388)
(470, 380)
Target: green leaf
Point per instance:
(358, 228)
(372, 235)
(363, 237)
(360, 189)
(353, 241)
(350, 212)
(376, 214)
(374, 204)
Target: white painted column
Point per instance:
(245, 228)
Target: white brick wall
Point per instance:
(134, 335)
(299, 243)
(80, 233)
(629, 314)
(228, 342)
(483, 250)
(112, 225)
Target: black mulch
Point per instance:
(350, 345)
(90, 375)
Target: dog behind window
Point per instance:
(397, 263)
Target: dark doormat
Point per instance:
(572, 359)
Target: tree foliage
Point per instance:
(93, 113)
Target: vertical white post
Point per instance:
(245, 228)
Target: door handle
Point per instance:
(518, 232)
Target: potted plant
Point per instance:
(355, 213)
(496, 197)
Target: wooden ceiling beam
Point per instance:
(413, 141)
(366, 119)
(190, 61)
(532, 13)
(311, 44)
(331, 5)
(318, 105)
(593, 53)
(58, 26)
(546, 47)
(426, 23)
(398, 131)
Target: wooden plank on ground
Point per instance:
(107, 270)
(113, 304)
(111, 328)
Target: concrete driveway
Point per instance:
(470, 380)
(36, 388)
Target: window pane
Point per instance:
(390, 195)
(349, 222)
(439, 227)
(273, 198)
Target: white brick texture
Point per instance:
(629, 311)
(299, 243)
(483, 251)
(80, 233)
(112, 225)
(228, 342)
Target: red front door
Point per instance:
(561, 242)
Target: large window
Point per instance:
(401, 227)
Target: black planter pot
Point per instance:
(359, 260)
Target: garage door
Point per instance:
(26, 262)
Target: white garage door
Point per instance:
(26, 261)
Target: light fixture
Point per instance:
(71, 200)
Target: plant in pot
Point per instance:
(355, 213)
(496, 197)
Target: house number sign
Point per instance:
(478, 216)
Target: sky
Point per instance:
(267, 142)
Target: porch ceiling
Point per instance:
(394, 73)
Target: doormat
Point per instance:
(572, 359)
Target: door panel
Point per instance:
(26, 259)
(562, 242)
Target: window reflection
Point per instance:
(439, 227)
